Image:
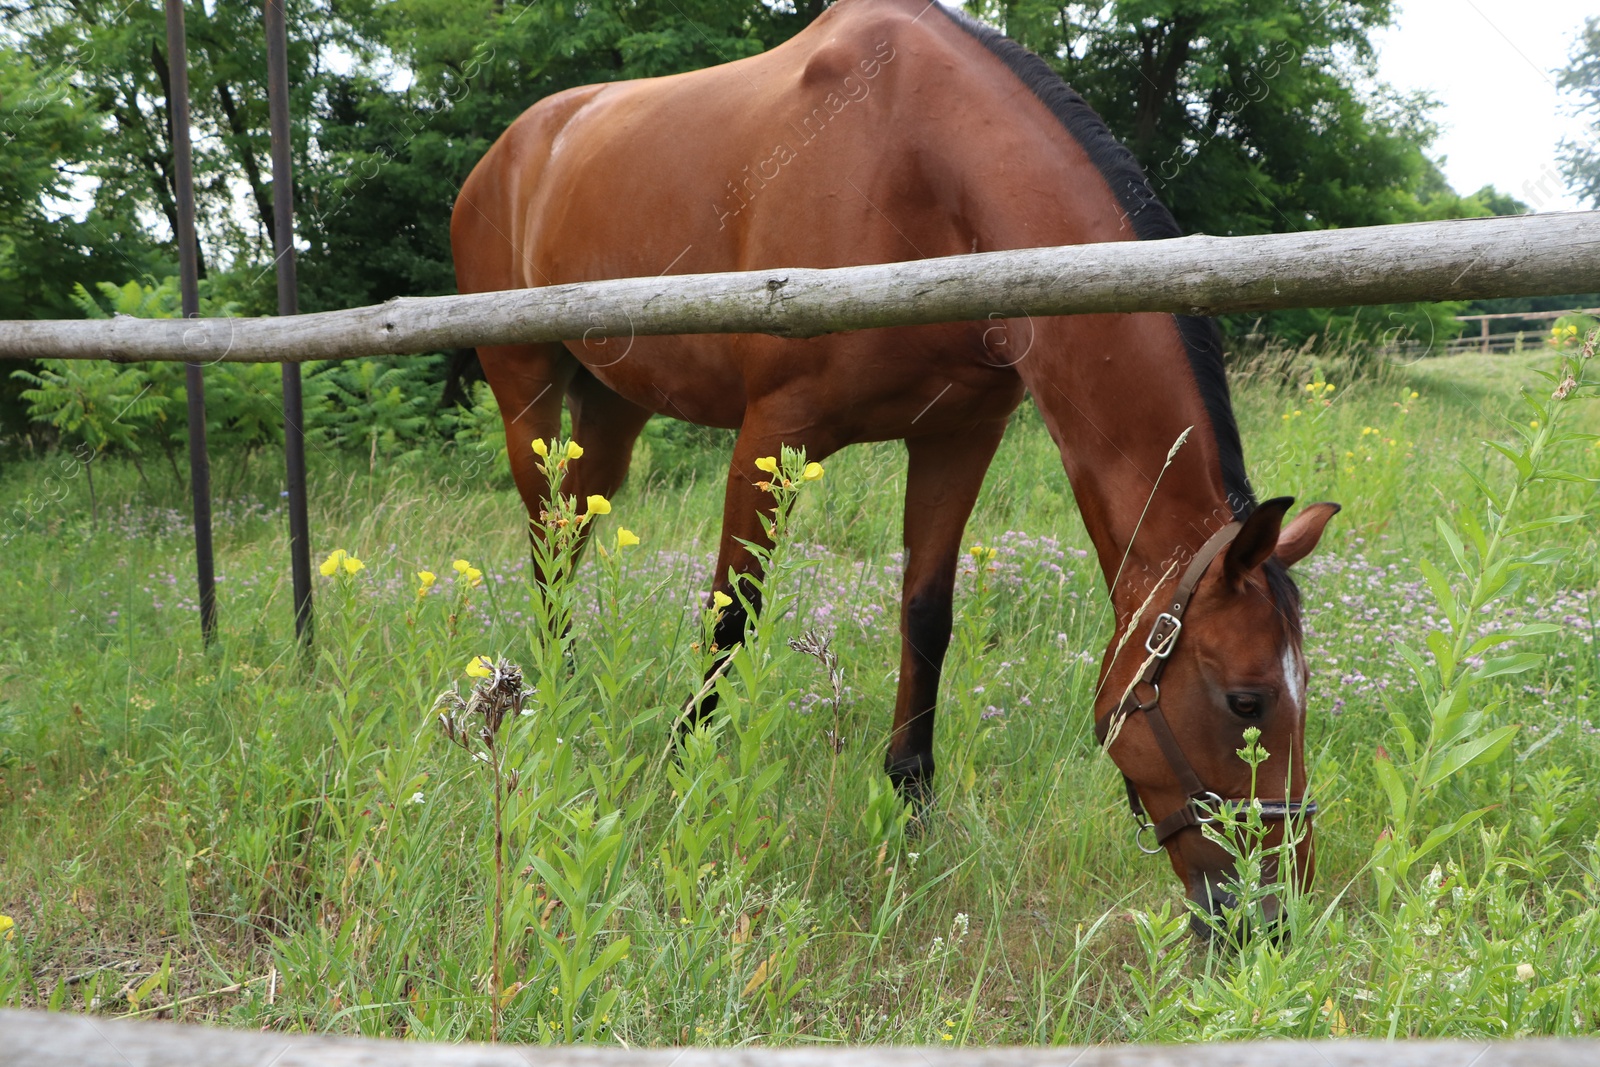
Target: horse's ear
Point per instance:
(1300, 537)
(1257, 540)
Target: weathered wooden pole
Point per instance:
(294, 431)
(189, 283)
(1464, 259)
(65, 1039)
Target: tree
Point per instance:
(1581, 158)
(1250, 116)
(1255, 116)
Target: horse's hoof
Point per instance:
(915, 787)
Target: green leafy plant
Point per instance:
(1459, 730)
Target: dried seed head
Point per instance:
(452, 711)
(497, 696)
(479, 717)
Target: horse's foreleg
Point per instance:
(744, 508)
(943, 477)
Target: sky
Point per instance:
(1491, 65)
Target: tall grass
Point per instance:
(263, 837)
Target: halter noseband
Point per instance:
(1203, 806)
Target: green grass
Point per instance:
(175, 821)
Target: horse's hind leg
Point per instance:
(606, 425)
(943, 477)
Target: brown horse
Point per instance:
(892, 130)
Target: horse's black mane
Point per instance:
(1151, 221)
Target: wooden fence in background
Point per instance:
(1500, 342)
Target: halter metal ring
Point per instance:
(1138, 838)
(1141, 705)
(1207, 802)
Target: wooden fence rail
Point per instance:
(42, 1039)
(1528, 255)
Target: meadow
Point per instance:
(261, 838)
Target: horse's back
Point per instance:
(732, 167)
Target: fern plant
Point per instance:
(97, 404)
(381, 406)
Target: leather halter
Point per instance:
(1203, 806)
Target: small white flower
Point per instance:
(417, 797)
(1524, 972)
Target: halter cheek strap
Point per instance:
(1202, 806)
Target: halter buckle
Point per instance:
(1161, 641)
(1138, 838)
(1208, 807)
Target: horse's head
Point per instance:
(1215, 652)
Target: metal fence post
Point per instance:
(294, 435)
(183, 181)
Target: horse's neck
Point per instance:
(1117, 391)
(1118, 396)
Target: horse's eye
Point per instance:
(1246, 705)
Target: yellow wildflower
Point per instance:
(480, 667)
(427, 578)
(768, 464)
(338, 559)
(574, 450)
(980, 553)
(598, 505)
(469, 574)
(626, 537)
(541, 449)
(6, 927)
(721, 599)
(812, 472)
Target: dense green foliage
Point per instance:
(299, 825)
(1250, 117)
